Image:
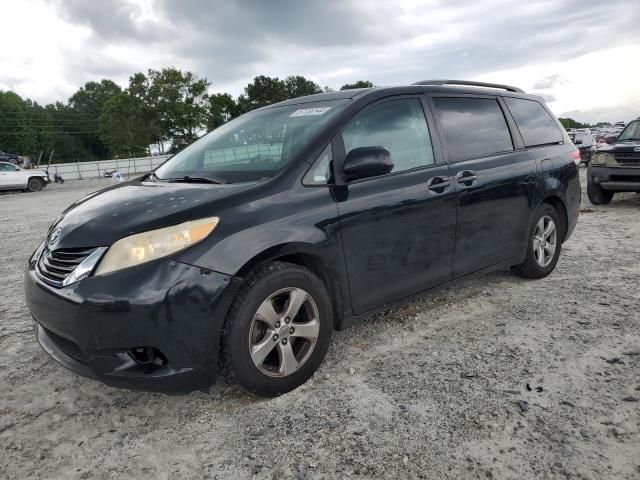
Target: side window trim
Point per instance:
(514, 133)
(339, 150)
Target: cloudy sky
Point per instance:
(583, 56)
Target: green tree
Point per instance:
(222, 108)
(358, 84)
(571, 123)
(15, 126)
(124, 127)
(298, 86)
(86, 106)
(261, 92)
(180, 101)
(265, 91)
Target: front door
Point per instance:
(495, 182)
(397, 229)
(10, 176)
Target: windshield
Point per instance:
(252, 147)
(631, 132)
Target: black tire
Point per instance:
(597, 195)
(35, 184)
(236, 361)
(530, 268)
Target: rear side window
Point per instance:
(536, 126)
(473, 127)
(398, 125)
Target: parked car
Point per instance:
(10, 158)
(615, 166)
(247, 252)
(585, 143)
(13, 177)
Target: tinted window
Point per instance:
(473, 127)
(254, 146)
(5, 167)
(398, 125)
(536, 126)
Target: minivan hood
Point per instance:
(103, 217)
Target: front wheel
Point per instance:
(35, 184)
(278, 330)
(598, 195)
(544, 245)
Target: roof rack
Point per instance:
(509, 88)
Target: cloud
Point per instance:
(331, 42)
(611, 114)
(548, 82)
(547, 97)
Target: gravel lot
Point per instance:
(495, 377)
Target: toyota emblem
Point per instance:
(55, 235)
(637, 149)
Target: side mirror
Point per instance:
(367, 162)
(578, 142)
(611, 139)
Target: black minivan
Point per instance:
(243, 252)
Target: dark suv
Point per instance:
(615, 166)
(586, 145)
(247, 249)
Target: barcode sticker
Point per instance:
(305, 112)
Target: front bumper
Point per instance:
(93, 326)
(617, 179)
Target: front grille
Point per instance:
(66, 345)
(56, 265)
(628, 158)
(625, 178)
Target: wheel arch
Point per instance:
(557, 203)
(303, 255)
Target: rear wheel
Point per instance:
(545, 243)
(35, 184)
(278, 330)
(597, 195)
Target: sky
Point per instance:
(582, 56)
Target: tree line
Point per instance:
(168, 108)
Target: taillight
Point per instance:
(575, 156)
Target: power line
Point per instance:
(50, 133)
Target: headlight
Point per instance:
(603, 158)
(147, 246)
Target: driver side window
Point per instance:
(5, 167)
(398, 125)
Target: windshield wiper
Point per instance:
(189, 179)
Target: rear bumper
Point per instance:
(617, 179)
(91, 327)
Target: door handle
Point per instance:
(438, 184)
(466, 177)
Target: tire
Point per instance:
(597, 195)
(248, 358)
(548, 250)
(35, 184)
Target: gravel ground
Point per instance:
(495, 377)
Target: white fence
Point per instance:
(126, 166)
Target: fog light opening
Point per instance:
(148, 356)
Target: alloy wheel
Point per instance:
(284, 332)
(545, 241)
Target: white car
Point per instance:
(14, 177)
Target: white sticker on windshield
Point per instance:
(305, 112)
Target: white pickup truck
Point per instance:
(13, 177)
